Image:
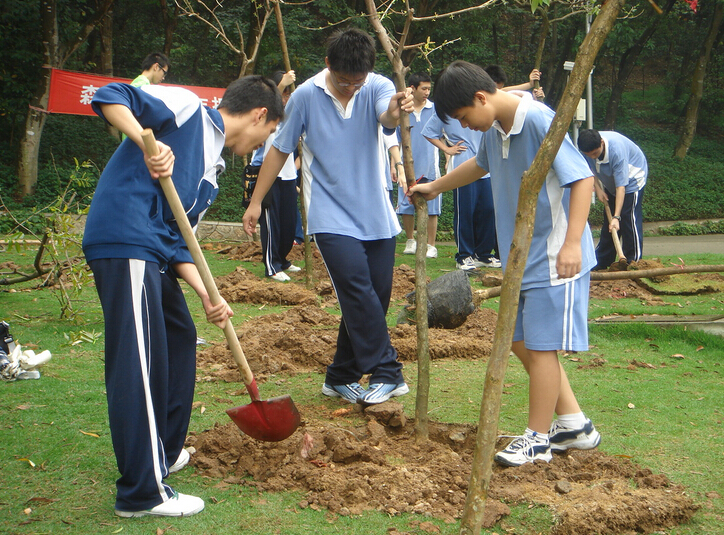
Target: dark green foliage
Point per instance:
(227, 206)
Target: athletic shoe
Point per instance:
(564, 438)
(467, 264)
(431, 251)
(491, 262)
(181, 462)
(381, 392)
(293, 269)
(410, 247)
(522, 450)
(280, 277)
(178, 505)
(350, 392)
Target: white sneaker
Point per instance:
(468, 264)
(524, 449)
(280, 277)
(563, 438)
(293, 269)
(181, 462)
(431, 251)
(410, 247)
(492, 262)
(178, 505)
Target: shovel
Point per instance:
(622, 262)
(272, 420)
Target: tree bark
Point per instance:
(170, 23)
(55, 54)
(688, 130)
(626, 67)
(532, 181)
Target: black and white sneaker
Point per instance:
(349, 392)
(563, 438)
(381, 392)
(524, 449)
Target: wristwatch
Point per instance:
(617, 217)
(399, 163)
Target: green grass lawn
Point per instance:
(656, 395)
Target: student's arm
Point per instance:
(122, 118)
(615, 224)
(569, 260)
(534, 75)
(450, 151)
(399, 102)
(216, 314)
(464, 174)
(397, 172)
(273, 163)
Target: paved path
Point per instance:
(676, 245)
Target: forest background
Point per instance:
(657, 80)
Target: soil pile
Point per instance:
(377, 465)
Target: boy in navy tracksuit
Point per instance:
(136, 251)
(337, 113)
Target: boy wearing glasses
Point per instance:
(155, 70)
(337, 114)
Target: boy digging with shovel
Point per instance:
(135, 249)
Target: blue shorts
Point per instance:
(405, 207)
(554, 317)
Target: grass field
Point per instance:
(58, 469)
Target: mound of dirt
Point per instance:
(304, 339)
(357, 466)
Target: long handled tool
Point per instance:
(622, 262)
(271, 420)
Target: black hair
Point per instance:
(417, 78)
(588, 140)
(497, 73)
(456, 86)
(351, 51)
(153, 58)
(250, 92)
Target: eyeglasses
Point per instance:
(347, 84)
(165, 71)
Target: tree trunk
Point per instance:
(532, 181)
(55, 54)
(559, 75)
(697, 85)
(260, 12)
(542, 36)
(626, 67)
(106, 32)
(169, 25)
(423, 350)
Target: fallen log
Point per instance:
(489, 293)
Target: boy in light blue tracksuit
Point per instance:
(622, 168)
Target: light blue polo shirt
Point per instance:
(454, 131)
(426, 156)
(507, 157)
(623, 164)
(343, 173)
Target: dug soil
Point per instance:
(349, 459)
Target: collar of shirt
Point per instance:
(428, 105)
(320, 80)
(518, 121)
(606, 154)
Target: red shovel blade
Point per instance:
(271, 420)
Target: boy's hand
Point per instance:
(600, 192)
(218, 314)
(251, 216)
(426, 190)
(569, 260)
(161, 165)
(455, 149)
(288, 78)
(401, 101)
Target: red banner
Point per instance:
(71, 92)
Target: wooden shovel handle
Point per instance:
(187, 232)
(614, 234)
